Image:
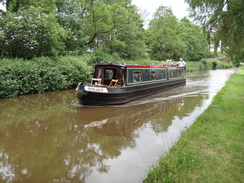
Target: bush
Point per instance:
(41, 74)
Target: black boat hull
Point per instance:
(125, 94)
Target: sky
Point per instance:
(179, 7)
(1, 7)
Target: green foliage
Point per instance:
(224, 22)
(193, 39)
(170, 39)
(105, 27)
(34, 28)
(162, 35)
(205, 64)
(41, 74)
(30, 33)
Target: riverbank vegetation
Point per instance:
(212, 149)
(20, 76)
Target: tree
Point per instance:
(163, 40)
(127, 39)
(29, 28)
(115, 28)
(195, 44)
(31, 33)
(224, 21)
(105, 27)
(50, 27)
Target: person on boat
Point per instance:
(181, 63)
(169, 63)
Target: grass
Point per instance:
(212, 149)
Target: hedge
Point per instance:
(20, 76)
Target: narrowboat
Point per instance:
(114, 84)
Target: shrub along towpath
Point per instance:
(212, 149)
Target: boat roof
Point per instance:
(135, 65)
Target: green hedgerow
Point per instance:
(20, 76)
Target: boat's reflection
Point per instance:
(120, 121)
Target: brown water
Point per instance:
(50, 138)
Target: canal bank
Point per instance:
(212, 149)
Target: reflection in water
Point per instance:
(124, 120)
(43, 138)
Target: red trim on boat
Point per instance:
(152, 66)
(139, 66)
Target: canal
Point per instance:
(50, 138)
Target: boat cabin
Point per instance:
(108, 75)
(117, 75)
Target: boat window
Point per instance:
(137, 76)
(162, 74)
(175, 73)
(179, 72)
(153, 75)
(172, 73)
(100, 73)
(119, 74)
(109, 74)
